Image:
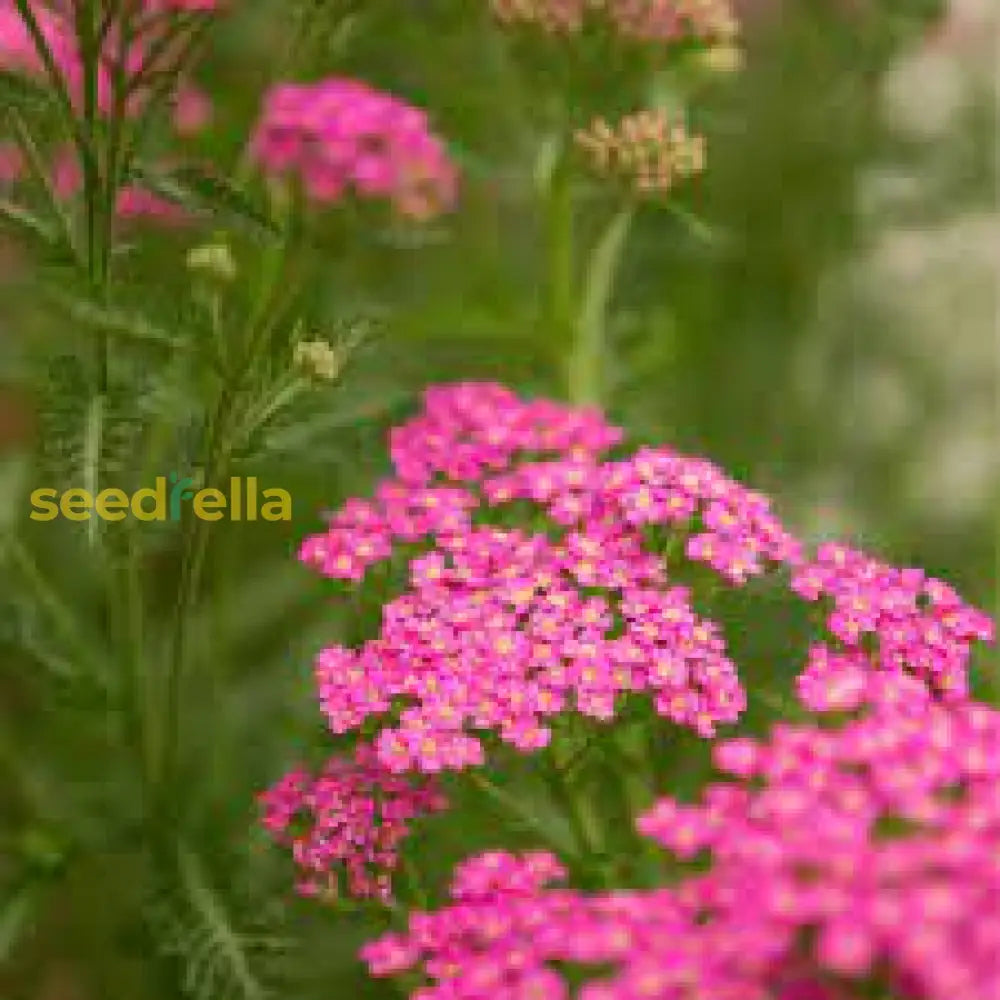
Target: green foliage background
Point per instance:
(708, 320)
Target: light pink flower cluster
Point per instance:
(341, 136)
(651, 151)
(503, 628)
(867, 857)
(347, 823)
(658, 21)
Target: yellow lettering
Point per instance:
(44, 507)
(280, 499)
(209, 504)
(111, 504)
(159, 497)
(76, 505)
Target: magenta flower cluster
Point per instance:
(341, 137)
(501, 629)
(904, 619)
(866, 855)
(351, 819)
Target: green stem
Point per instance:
(586, 373)
(561, 277)
(194, 543)
(585, 831)
(193, 552)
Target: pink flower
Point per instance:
(809, 893)
(344, 828)
(916, 624)
(340, 136)
(192, 110)
(501, 629)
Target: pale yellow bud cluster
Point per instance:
(318, 359)
(215, 260)
(650, 150)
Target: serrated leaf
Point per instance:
(191, 924)
(66, 413)
(198, 190)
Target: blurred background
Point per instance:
(827, 332)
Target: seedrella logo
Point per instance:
(164, 501)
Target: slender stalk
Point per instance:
(194, 544)
(588, 358)
(561, 276)
(40, 173)
(418, 894)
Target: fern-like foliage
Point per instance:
(69, 422)
(192, 927)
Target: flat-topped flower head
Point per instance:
(499, 628)
(340, 137)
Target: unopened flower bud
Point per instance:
(214, 260)
(648, 150)
(318, 359)
(722, 58)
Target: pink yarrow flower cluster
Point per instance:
(862, 857)
(343, 137)
(345, 826)
(902, 618)
(502, 629)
